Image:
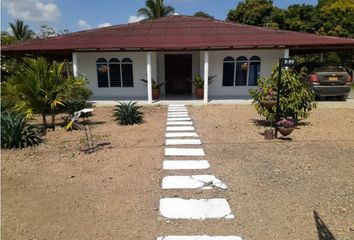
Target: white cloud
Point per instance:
(107, 24)
(176, 14)
(9, 30)
(83, 25)
(32, 10)
(134, 18)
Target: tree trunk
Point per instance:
(53, 120)
(44, 124)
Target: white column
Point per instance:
(149, 78)
(286, 53)
(74, 56)
(206, 76)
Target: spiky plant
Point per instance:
(128, 114)
(16, 132)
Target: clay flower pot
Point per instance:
(199, 93)
(285, 131)
(156, 93)
(268, 104)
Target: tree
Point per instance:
(6, 38)
(21, 31)
(155, 9)
(42, 87)
(203, 14)
(296, 98)
(253, 12)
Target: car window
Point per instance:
(330, 69)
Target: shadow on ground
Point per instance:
(323, 232)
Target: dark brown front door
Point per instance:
(178, 69)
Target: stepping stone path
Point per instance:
(180, 132)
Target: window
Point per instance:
(102, 72)
(228, 72)
(241, 72)
(127, 72)
(115, 73)
(254, 71)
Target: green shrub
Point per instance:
(77, 99)
(16, 132)
(296, 97)
(128, 113)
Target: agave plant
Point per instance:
(16, 132)
(128, 114)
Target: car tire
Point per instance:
(343, 98)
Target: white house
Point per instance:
(174, 49)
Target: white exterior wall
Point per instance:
(268, 59)
(87, 66)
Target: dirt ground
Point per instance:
(54, 191)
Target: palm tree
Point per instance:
(155, 9)
(21, 31)
(43, 87)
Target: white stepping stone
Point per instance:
(185, 164)
(180, 134)
(176, 110)
(180, 128)
(177, 113)
(178, 119)
(184, 123)
(177, 116)
(201, 237)
(192, 182)
(176, 105)
(184, 152)
(178, 208)
(183, 142)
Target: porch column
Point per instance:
(74, 58)
(206, 76)
(149, 78)
(286, 53)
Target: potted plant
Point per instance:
(268, 100)
(285, 126)
(198, 83)
(155, 88)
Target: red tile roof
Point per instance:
(178, 33)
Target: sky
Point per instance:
(76, 15)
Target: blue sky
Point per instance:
(84, 14)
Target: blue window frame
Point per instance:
(228, 72)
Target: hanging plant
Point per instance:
(103, 69)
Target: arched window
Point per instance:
(115, 73)
(102, 72)
(254, 71)
(127, 73)
(241, 71)
(228, 72)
